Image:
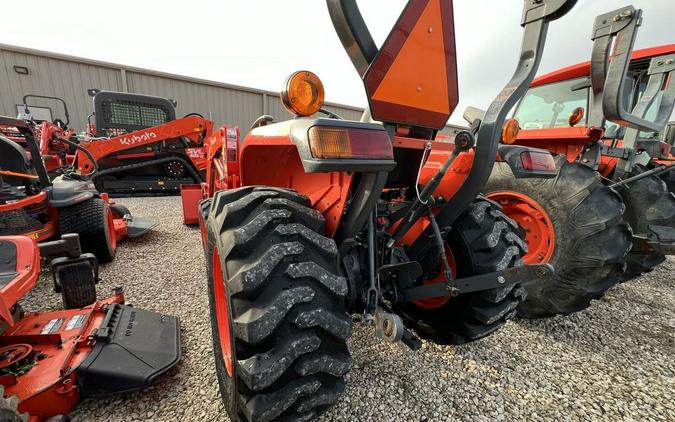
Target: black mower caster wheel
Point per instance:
(77, 284)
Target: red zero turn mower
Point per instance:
(34, 205)
(607, 216)
(311, 220)
(49, 361)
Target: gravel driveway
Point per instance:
(614, 361)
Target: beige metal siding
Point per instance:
(52, 77)
(69, 78)
(222, 105)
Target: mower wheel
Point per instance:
(648, 203)
(78, 286)
(9, 411)
(588, 240)
(482, 240)
(278, 313)
(93, 221)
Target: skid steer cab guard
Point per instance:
(137, 146)
(91, 348)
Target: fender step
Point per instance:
(133, 347)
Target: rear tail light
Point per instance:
(334, 142)
(537, 161)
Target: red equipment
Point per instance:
(135, 146)
(49, 361)
(34, 205)
(312, 219)
(601, 119)
(140, 147)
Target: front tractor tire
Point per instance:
(277, 303)
(93, 221)
(573, 222)
(482, 240)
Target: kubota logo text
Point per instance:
(130, 140)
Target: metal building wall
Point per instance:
(69, 78)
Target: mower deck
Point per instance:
(104, 348)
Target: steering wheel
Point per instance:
(193, 114)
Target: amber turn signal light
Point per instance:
(575, 116)
(303, 93)
(510, 131)
(336, 142)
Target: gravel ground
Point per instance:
(611, 362)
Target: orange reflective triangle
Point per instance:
(417, 77)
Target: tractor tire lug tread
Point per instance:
(287, 305)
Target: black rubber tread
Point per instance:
(9, 408)
(88, 219)
(669, 178)
(648, 202)
(78, 286)
(287, 305)
(592, 238)
(482, 240)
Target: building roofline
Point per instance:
(117, 66)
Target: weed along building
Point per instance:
(28, 71)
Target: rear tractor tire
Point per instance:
(573, 222)
(648, 202)
(482, 240)
(92, 220)
(277, 303)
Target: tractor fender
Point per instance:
(527, 162)
(66, 191)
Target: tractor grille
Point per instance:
(18, 222)
(123, 116)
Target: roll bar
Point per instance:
(613, 38)
(65, 106)
(359, 45)
(535, 19)
(353, 33)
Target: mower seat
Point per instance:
(19, 270)
(13, 158)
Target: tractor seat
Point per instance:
(13, 158)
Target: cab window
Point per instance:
(549, 106)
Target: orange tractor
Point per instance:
(310, 220)
(607, 216)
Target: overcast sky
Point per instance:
(257, 43)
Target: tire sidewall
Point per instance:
(109, 231)
(227, 385)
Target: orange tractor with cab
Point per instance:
(311, 220)
(607, 216)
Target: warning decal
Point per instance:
(52, 326)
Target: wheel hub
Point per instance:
(13, 354)
(531, 217)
